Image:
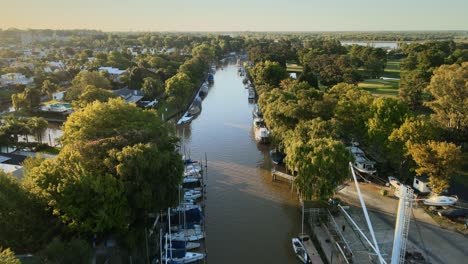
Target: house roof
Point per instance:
(130, 96)
(111, 70)
(12, 159)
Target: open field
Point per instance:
(393, 69)
(380, 87)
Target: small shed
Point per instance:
(58, 96)
(421, 184)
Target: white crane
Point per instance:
(401, 226)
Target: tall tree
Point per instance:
(411, 89)
(449, 89)
(179, 88)
(439, 160)
(268, 72)
(152, 87)
(321, 165)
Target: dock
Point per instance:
(312, 252)
(275, 175)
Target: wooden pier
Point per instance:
(275, 175)
(312, 252)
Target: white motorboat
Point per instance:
(441, 200)
(194, 110)
(361, 162)
(256, 112)
(187, 235)
(182, 245)
(186, 207)
(251, 93)
(183, 257)
(299, 250)
(192, 194)
(196, 167)
(261, 132)
(185, 119)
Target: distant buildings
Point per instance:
(15, 78)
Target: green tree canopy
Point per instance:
(92, 93)
(179, 88)
(7, 256)
(75, 251)
(24, 224)
(152, 87)
(83, 80)
(386, 115)
(29, 99)
(268, 72)
(352, 110)
(321, 165)
(439, 160)
(117, 165)
(449, 88)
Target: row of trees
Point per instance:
(421, 61)
(307, 122)
(12, 128)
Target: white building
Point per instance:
(421, 184)
(14, 78)
(58, 96)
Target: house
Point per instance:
(135, 96)
(58, 96)
(14, 78)
(130, 96)
(114, 73)
(421, 184)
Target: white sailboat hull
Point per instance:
(440, 201)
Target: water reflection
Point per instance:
(249, 218)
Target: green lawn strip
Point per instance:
(393, 69)
(381, 87)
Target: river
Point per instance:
(249, 219)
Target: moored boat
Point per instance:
(441, 200)
(277, 157)
(256, 112)
(299, 250)
(251, 93)
(261, 132)
(361, 162)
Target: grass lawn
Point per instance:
(381, 87)
(393, 69)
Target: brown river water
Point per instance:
(249, 218)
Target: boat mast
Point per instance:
(366, 215)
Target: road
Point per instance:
(438, 245)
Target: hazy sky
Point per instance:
(235, 15)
